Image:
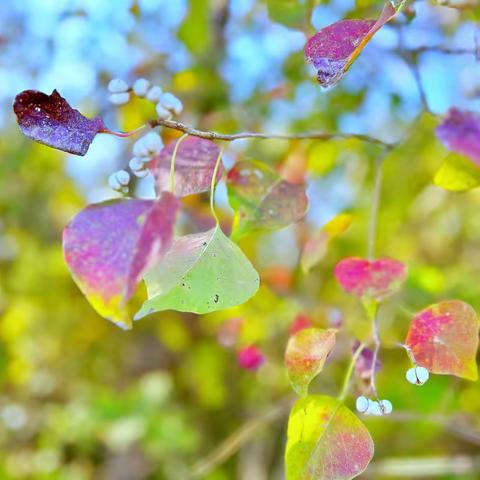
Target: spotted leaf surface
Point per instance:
(201, 273)
(326, 441)
(305, 356)
(334, 48)
(194, 165)
(262, 200)
(109, 245)
(50, 120)
(370, 279)
(460, 132)
(443, 338)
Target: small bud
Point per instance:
(117, 85)
(123, 177)
(387, 407)
(362, 404)
(140, 87)
(154, 94)
(119, 98)
(153, 142)
(172, 103)
(140, 149)
(113, 182)
(162, 112)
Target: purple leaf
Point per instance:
(50, 120)
(460, 132)
(194, 165)
(334, 48)
(109, 245)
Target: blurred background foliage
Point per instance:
(82, 399)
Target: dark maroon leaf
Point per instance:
(50, 120)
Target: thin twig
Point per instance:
(376, 349)
(348, 374)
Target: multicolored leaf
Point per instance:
(109, 245)
(316, 247)
(333, 49)
(457, 174)
(443, 338)
(326, 441)
(194, 165)
(370, 279)
(262, 200)
(305, 356)
(200, 273)
(50, 120)
(460, 132)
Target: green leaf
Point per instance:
(457, 174)
(326, 441)
(291, 13)
(195, 29)
(201, 273)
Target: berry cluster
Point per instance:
(372, 407)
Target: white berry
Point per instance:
(422, 375)
(387, 406)
(362, 404)
(140, 87)
(141, 173)
(119, 98)
(113, 182)
(137, 163)
(411, 376)
(162, 112)
(117, 85)
(172, 103)
(153, 142)
(374, 408)
(154, 94)
(123, 177)
(140, 149)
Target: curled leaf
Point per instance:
(326, 441)
(370, 279)
(194, 165)
(200, 273)
(109, 245)
(262, 200)
(333, 49)
(443, 338)
(305, 356)
(50, 120)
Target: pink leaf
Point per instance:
(194, 165)
(372, 279)
(443, 338)
(305, 356)
(334, 48)
(50, 120)
(250, 358)
(109, 245)
(460, 132)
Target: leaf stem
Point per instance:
(376, 349)
(172, 162)
(348, 374)
(213, 184)
(123, 134)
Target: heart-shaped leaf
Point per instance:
(200, 273)
(305, 356)
(316, 247)
(370, 279)
(326, 441)
(460, 132)
(334, 48)
(50, 120)
(443, 338)
(109, 245)
(262, 200)
(194, 165)
(457, 174)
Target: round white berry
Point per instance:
(154, 94)
(140, 149)
(172, 103)
(117, 85)
(422, 375)
(162, 112)
(411, 376)
(123, 177)
(362, 404)
(137, 163)
(119, 98)
(142, 173)
(374, 408)
(387, 406)
(153, 142)
(140, 87)
(113, 182)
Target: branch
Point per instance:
(181, 127)
(440, 49)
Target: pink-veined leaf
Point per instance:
(50, 120)
(305, 356)
(262, 200)
(109, 245)
(460, 132)
(443, 338)
(334, 48)
(370, 279)
(194, 165)
(326, 441)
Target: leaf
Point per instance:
(457, 174)
(109, 245)
(316, 247)
(443, 338)
(201, 273)
(370, 279)
(262, 200)
(50, 120)
(326, 441)
(334, 48)
(305, 356)
(194, 164)
(460, 132)
(291, 13)
(364, 364)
